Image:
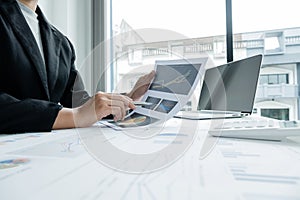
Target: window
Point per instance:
(204, 21)
(274, 79)
(274, 43)
(254, 111)
(145, 31)
(263, 79)
(194, 28)
(283, 78)
(281, 114)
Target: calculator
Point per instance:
(255, 128)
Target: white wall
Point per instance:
(74, 19)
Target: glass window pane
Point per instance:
(259, 29)
(283, 78)
(263, 79)
(145, 31)
(281, 114)
(273, 79)
(189, 17)
(262, 15)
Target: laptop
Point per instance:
(228, 90)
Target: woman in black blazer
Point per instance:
(36, 93)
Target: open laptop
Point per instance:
(228, 91)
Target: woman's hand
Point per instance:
(141, 86)
(96, 108)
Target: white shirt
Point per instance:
(33, 22)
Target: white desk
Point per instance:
(57, 166)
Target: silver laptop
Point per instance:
(228, 91)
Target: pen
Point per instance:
(142, 103)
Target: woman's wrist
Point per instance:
(65, 119)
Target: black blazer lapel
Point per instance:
(26, 38)
(51, 46)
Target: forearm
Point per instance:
(64, 119)
(28, 115)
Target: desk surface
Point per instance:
(66, 165)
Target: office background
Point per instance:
(265, 27)
(60, 165)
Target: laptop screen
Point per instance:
(232, 86)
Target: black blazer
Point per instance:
(29, 94)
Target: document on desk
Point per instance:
(172, 87)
